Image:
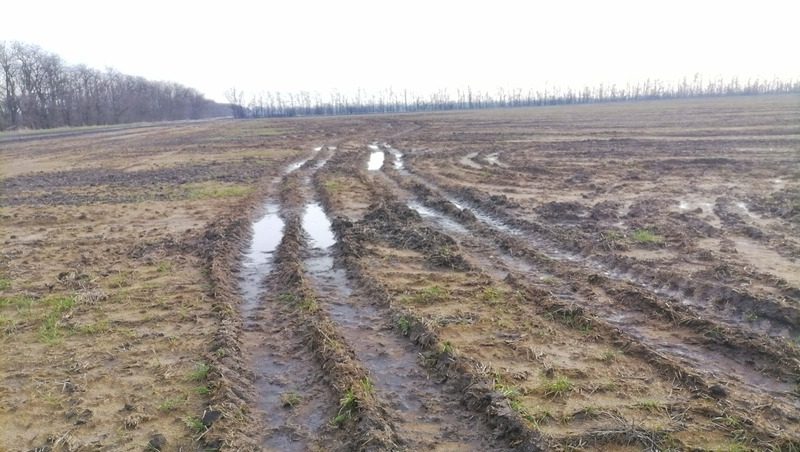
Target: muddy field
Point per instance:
(599, 277)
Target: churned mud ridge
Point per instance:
(229, 424)
(360, 413)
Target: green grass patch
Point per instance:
(21, 302)
(214, 190)
(309, 304)
(94, 329)
(647, 237)
(195, 424)
(200, 372)
(5, 284)
(347, 407)
(650, 406)
(367, 385)
(491, 295)
(202, 390)
(557, 387)
(50, 331)
(333, 186)
(171, 404)
(429, 295)
(446, 348)
(404, 324)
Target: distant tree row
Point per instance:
(37, 90)
(276, 104)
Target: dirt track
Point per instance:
(613, 277)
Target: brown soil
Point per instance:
(601, 277)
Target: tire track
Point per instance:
(715, 364)
(423, 413)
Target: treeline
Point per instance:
(38, 90)
(276, 104)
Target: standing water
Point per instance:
(375, 158)
(257, 263)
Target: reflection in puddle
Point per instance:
(446, 223)
(318, 226)
(375, 159)
(257, 263)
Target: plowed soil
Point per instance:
(597, 277)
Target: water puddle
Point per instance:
(296, 165)
(441, 220)
(258, 260)
(484, 217)
(376, 157)
(317, 226)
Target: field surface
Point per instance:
(597, 277)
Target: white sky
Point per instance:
(421, 45)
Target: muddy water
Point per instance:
(376, 157)
(296, 165)
(430, 214)
(391, 360)
(258, 260)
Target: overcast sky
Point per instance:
(293, 45)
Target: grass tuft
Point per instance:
(347, 407)
(404, 324)
(557, 387)
(171, 404)
(429, 295)
(200, 372)
(195, 424)
(290, 399)
(647, 237)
